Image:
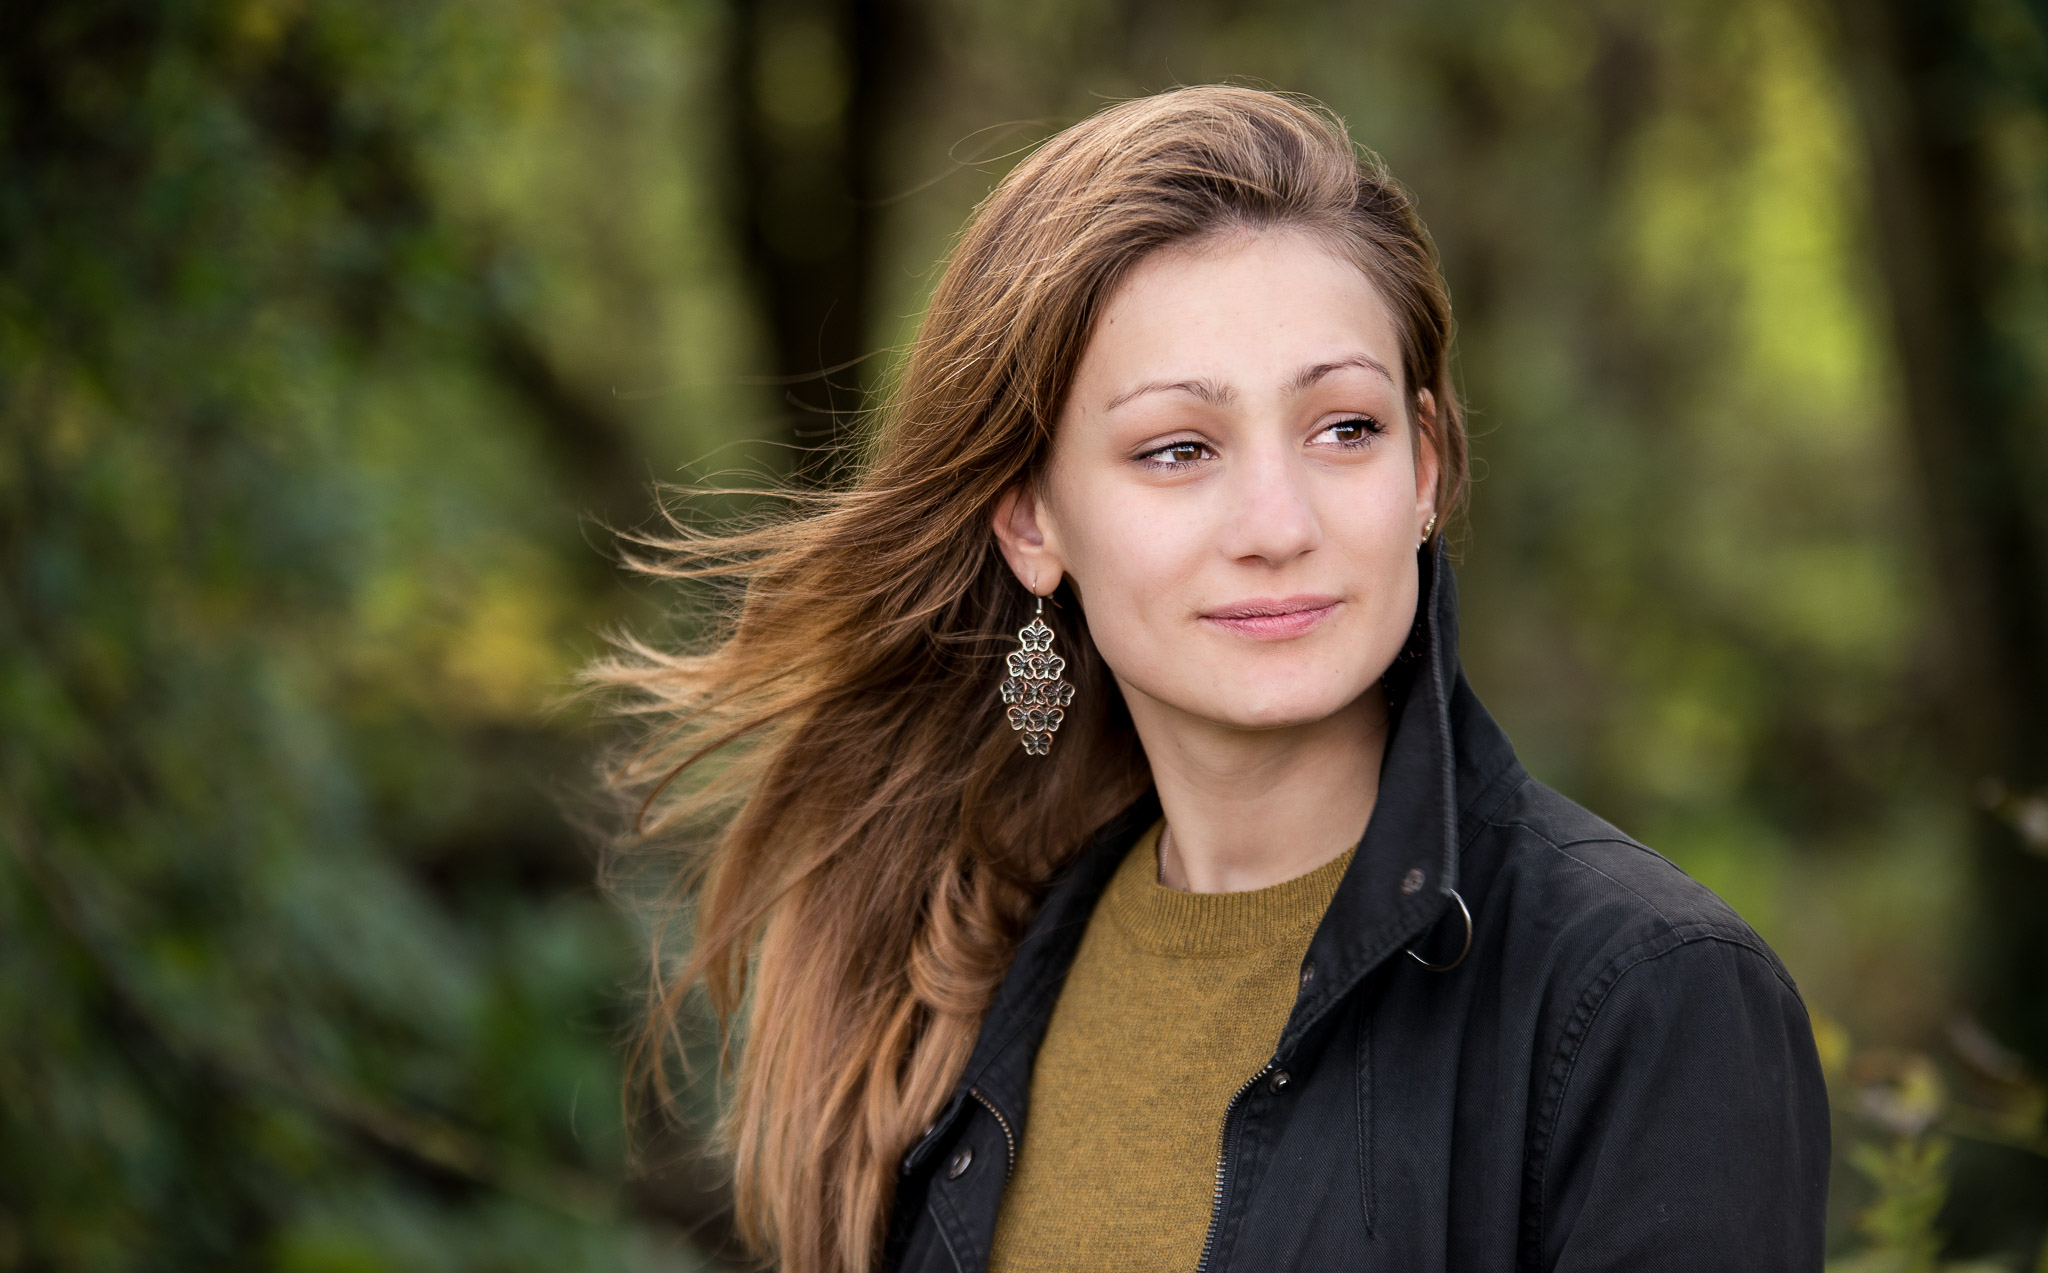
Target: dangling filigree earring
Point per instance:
(1034, 690)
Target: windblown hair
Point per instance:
(857, 839)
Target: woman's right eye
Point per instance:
(1176, 454)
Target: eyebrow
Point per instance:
(1208, 391)
(1362, 362)
(1221, 395)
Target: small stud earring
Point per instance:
(1428, 529)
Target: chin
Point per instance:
(1281, 710)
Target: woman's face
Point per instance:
(1236, 489)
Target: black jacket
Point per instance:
(1619, 1075)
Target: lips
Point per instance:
(1274, 618)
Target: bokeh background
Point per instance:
(337, 338)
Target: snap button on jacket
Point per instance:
(1618, 1075)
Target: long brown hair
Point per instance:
(858, 838)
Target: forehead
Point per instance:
(1244, 307)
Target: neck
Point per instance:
(1250, 808)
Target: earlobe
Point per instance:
(1018, 522)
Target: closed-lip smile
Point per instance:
(1274, 618)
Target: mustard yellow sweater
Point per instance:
(1174, 1000)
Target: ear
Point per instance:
(1021, 528)
(1427, 464)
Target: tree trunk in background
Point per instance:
(1925, 83)
(300, 99)
(811, 83)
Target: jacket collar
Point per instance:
(1446, 765)
(1444, 757)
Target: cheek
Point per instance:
(1374, 522)
(1378, 533)
(1133, 566)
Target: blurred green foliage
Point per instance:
(332, 335)
(309, 324)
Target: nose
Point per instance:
(1272, 517)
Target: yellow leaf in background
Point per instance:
(505, 656)
(1832, 1042)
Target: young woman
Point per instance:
(1260, 951)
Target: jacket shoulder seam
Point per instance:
(1483, 818)
(1739, 934)
(1565, 851)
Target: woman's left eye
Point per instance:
(1356, 431)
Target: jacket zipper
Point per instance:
(1222, 1166)
(1009, 1138)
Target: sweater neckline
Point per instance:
(1169, 921)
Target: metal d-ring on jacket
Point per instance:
(1618, 1075)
